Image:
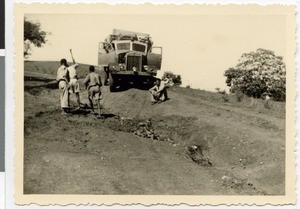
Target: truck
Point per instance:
(129, 58)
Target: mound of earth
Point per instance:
(196, 143)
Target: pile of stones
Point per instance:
(196, 153)
(145, 130)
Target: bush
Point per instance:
(239, 96)
(267, 104)
(220, 91)
(175, 79)
(225, 98)
(258, 73)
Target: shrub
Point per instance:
(220, 91)
(267, 104)
(225, 98)
(239, 96)
(175, 79)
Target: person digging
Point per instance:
(93, 84)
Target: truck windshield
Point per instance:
(138, 47)
(123, 46)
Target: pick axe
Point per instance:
(72, 56)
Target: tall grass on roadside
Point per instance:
(267, 104)
(225, 98)
(220, 91)
(239, 96)
(241, 100)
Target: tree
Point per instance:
(33, 35)
(176, 79)
(258, 74)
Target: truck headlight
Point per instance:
(122, 66)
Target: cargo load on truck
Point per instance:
(129, 58)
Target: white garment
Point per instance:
(62, 73)
(64, 94)
(74, 84)
(167, 82)
(63, 86)
(72, 71)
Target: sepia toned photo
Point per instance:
(126, 104)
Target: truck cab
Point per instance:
(129, 58)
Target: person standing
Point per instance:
(93, 84)
(74, 87)
(63, 80)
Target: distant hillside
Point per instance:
(50, 67)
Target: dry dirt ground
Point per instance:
(198, 142)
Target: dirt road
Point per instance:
(195, 143)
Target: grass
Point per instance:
(239, 96)
(225, 98)
(50, 67)
(243, 102)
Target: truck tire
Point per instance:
(111, 83)
(151, 82)
(106, 76)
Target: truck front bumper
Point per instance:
(131, 73)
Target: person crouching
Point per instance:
(158, 91)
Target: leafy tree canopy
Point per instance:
(258, 74)
(33, 35)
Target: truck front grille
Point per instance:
(134, 61)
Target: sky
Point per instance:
(198, 47)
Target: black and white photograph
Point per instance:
(190, 102)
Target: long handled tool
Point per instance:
(72, 56)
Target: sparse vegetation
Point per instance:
(220, 91)
(267, 104)
(239, 96)
(225, 98)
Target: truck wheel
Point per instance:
(150, 82)
(111, 83)
(106, 75)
